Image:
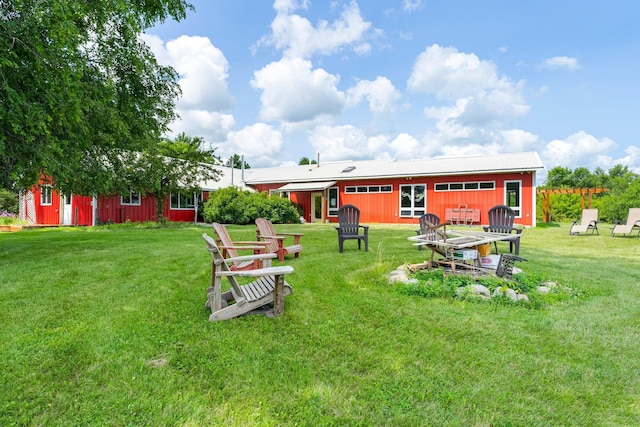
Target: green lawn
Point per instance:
(107, 326)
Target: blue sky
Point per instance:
(405, 79)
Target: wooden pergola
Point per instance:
(546, 193)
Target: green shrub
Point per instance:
(228, 206)
(282, 211)
(8, 201)
(233, 206)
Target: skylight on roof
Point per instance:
(348, 169)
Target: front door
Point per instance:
(66, 210)
(316, 207)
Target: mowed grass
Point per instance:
(107, 326)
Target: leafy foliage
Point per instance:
(173, 167)
(79, 87)
(306, 161)
(623, 185)
(233, 206)
(8, 201)
(434, 284)
(185, 147)
(236, 161)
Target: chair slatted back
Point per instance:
(349, 219)
(430, 219)
(501, 219)
(225, 239)
(265, 228)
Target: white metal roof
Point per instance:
(307, 186)
(367, 169)
(228, 177)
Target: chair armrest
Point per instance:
(291, 234)
(251, 257)
(244, 247)
(273, 237)
(269, 271)
(252, 243)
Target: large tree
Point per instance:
(171, 167)
(78, 87)
(188, 148)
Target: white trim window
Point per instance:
(413, 200)
(359, 189)
(131, 199)
(45, 195)
(333, 201)
(465, 186)
(182, 201)
(513, 196)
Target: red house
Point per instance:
(386, 191)
(462, 188)
(43, 205)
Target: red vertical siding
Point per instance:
(304, 200)
(82, 210)
(47, 214)
(385, 207)
(178, 215)
(111, 210)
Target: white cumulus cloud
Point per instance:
(203, 71)
(380, 93)
(294, 92)
(296, 36)
(479, 99)
(578, 149)
(260, 142)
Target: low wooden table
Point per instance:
(456, 239)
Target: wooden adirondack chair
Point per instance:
(501, 219)
(633, 220)
(425, 220)
(588, 221)
(349, 228)
(268, 287)
(275, 241)
(230, 249)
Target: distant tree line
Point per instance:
(623, 192)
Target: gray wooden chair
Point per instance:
(349, 228)
(501, 219)
(268, 287)
(430, 219)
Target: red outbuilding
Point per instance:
(461, 189)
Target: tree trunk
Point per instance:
(160, 199)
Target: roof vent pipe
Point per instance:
(242, 167)
(318, 160)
